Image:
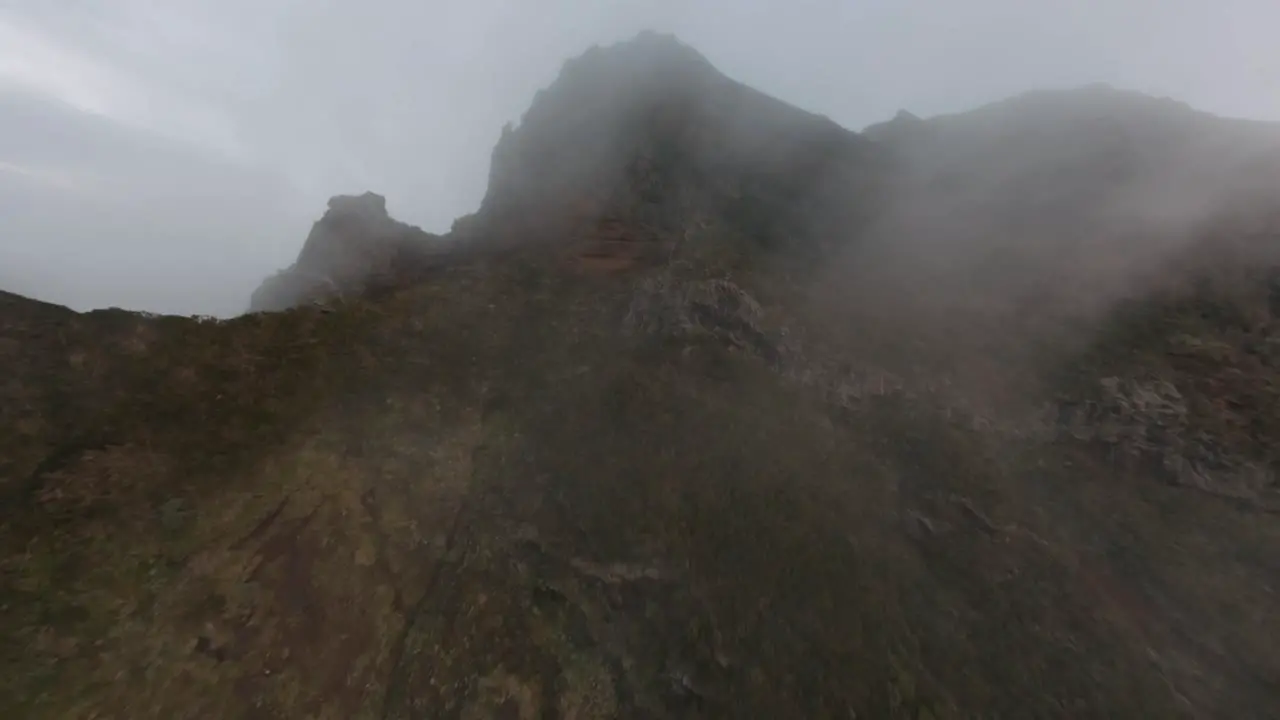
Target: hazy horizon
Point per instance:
(166, 157)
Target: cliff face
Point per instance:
(712, 409)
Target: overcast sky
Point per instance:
(166, 154)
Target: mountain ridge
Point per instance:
(611, 184)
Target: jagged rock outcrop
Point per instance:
(354, 247)
(726, 418)
(642, 142)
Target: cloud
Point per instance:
(35, 59)
(69, 181)
(101, 213)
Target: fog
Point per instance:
(1010, 235)
(167, 156)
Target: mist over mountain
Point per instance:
(712, 408)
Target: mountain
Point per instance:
(711, 409)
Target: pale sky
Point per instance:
(165, 155)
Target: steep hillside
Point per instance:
(708, 411)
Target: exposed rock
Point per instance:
(355, 246)
(669, 307)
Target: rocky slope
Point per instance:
(712, 409)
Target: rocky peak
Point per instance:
(367, 205)
(355, 245)
(647, 134)
(350, 225)
(571, 150)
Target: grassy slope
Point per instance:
(479, 497)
